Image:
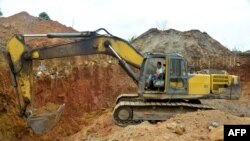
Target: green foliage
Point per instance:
(44, 16)
(1, 14)
(131, 39)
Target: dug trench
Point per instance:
(87, 86)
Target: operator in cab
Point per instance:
(156, 75)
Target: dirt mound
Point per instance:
(26, 23)
(190, 44)
(98, 123)
(23, 23)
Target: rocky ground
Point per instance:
(88, 86)
(193, 126)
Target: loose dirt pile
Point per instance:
(193, 126)
(200, 49)
(23, 23)
(88, 86)
(190, 44)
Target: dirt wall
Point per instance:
(91, 84)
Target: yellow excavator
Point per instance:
(172, 91)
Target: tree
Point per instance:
(44, 16)
(131, 39)
(1, 14)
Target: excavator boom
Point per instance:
(20, 58)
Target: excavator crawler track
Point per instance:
(134, 112)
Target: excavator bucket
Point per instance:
(43, 122)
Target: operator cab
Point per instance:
(164, 74)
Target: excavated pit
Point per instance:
(85, 84)
(87, 87)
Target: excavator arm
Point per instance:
(20, 57)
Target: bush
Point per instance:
(44, 16)
(131, 39)
(1, 14)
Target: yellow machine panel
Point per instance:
(16, 49)
(199, 84)
(125, 50)
(176, 84)
(219, 82)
